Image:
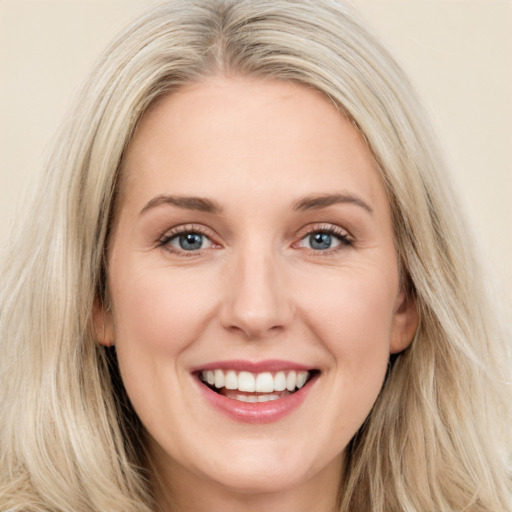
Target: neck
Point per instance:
(178, 490)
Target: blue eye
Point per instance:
(320, 241)
(323, 240)
(189, 241)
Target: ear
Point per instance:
(405, 322)
(103, 323)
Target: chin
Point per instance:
(266, 470)
(258, 480)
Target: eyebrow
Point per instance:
(316, 202)
(200, 204)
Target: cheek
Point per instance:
(353, 318)
(352, 307)
(159, 313)
(159, 309)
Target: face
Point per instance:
(254, 284)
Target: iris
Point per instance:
(320, 241)
(191, 241)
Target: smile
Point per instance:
(250, 392)
(250, 387)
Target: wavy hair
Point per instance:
(437, 437)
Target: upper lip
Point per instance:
(269, 365)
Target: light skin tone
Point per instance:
(285, 252)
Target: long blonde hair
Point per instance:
(437, 437)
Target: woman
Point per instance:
(246, 285)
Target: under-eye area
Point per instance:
(256, 387)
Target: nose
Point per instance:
(256, 301)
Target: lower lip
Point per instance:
(259, 412)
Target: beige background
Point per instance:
(458, 53)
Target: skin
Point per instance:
(256, 290)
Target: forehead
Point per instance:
(253, 135)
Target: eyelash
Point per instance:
(178, 231)
(344, 239)
(329, 229)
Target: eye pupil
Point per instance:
(191, 241)
(320, 241)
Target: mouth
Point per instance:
(245, 386)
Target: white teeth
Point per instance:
(246, 382)
(267, 398)
(255, 398)
(219, 379)
(231, 381)
(302, 377)
(280, 381)
(264, 382)
(291, 381)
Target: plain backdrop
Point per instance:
(458, 53)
